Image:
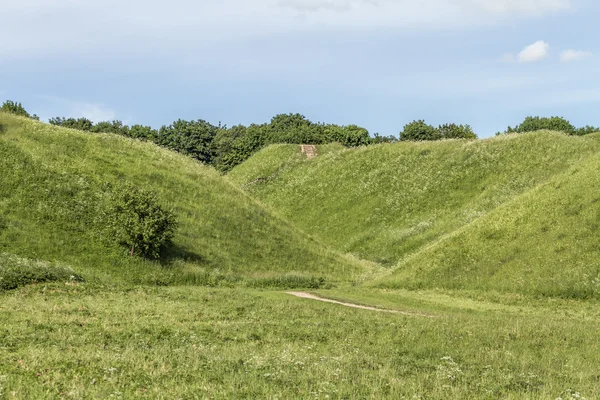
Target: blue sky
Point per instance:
(376, 63)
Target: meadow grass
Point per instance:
(495, 241)
(387, 201)
(76, 340)
(544, 242)
(274, 160)
(16, 272)
(49, 203)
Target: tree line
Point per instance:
(225, 147)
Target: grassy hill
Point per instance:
(386, 202)
(544, 242)
(49, 190)
(272, 161)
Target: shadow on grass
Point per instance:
(176, 253)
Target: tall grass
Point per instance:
(48, 208)
(66, 341)
(385, 202)
(543, 243)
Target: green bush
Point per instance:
(454, 131)
(194, 138)
(532, 124)
(16, 272)
(586, 130)
(137, 220)
(82, 124)
(17, 109)
(419, 131)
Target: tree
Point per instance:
(194, 138)
(532, 124)
(82, 124)
(419, 131)
(17, 109)
(137, 220)
(454, 131)
(354, 136)
(586, 130)
(377, 139)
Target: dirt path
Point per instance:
(309, 150)
(309, 296)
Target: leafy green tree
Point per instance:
(586, 130)
(294, 129)
(532, 124)
(82, 124)
(115, 126)
(142, 132)
(419, 131)
(137, 220)
(229, 150)
(17, 109)
(354, 136)
(194, 138)
(454, 131)
(377, 138)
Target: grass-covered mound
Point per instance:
(272, 161)
(388, 201)
(545, 242)
(50, 190)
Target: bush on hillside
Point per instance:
(82, 124)
(17, 109)
(137, 220)
(16, 272)
(586, 130)
(454, 131)
(533, 124)
(377, 138)
(419, 131)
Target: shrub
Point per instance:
(454, 131)
(17, 109)
(16, 272)
(82, 124)
(419, 131)
(137, 220)
(532, 124)
(586, 130)
(194, 138)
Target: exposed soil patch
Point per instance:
(309, 296)
(309, 150)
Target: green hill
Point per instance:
(272, 161)
(386, 202)
(545, 242)
(52, 179)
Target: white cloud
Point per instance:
(534, 52)
(574, 55)
(53, 106)
(41, 26)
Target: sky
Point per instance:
(376, 63)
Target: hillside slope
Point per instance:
(544, 242)
(273, 160)
(385, 202)
(48, 188)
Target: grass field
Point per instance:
(79, 341)
(490, 247)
